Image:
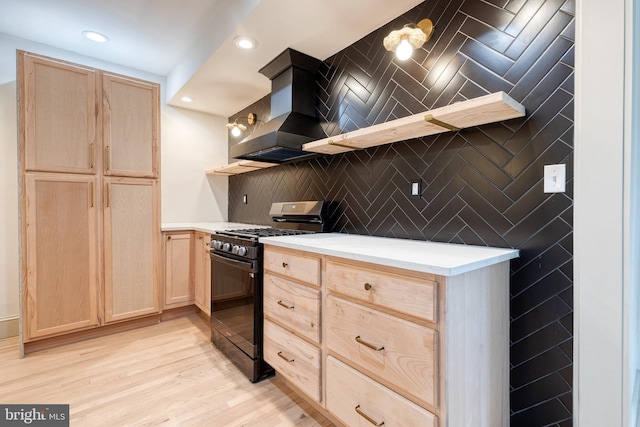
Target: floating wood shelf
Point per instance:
(490, 108)
(241, 166)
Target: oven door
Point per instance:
(233, 284)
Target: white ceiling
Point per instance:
(190, 42)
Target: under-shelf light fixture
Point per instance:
(238, 128)
(410, 37)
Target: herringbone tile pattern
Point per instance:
(481, 186)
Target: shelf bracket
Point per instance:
(429, 118)
(337, 144)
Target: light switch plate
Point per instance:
(555, 177)
(415, 188)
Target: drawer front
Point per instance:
(357, 400)
(416, 297)
(403, 354)
(295, 306)
(295, 265)
(293, 358)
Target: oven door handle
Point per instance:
(248, 265)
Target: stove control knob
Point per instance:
(217, 244)
(234, 249)
(242, 251)
(226, 247)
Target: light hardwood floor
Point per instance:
(167, 374)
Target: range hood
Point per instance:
(294, 121)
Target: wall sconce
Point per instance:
(237, 128)
(410, 37)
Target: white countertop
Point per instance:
(445, 259)
(207, 227)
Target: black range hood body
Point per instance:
(294, 121)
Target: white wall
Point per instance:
(191, 143)
(9, 275)
(605, 222)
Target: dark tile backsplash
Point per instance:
(480, 186)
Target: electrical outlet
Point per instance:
(244, 199)
(555, 177)
(416, 188)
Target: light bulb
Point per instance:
(236, 131)
(404, 50)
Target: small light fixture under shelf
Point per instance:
(410, 37)
(238, 128)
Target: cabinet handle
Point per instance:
(367, 417)
(107, 158)
(371, 346)
(91, 193)
(107, 194)
(285, 265)
(91, 156)
(288, 307)
(282, 356)
(367, 286)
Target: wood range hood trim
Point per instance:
(491, 108)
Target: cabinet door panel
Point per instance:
(294, 359)
(353, 397)
(58, 108)
(130, 121)
(293, 264)
(61, 257)
(202, 274)
(132, 248)
(404, 355)
(295, 306)
(179, 278)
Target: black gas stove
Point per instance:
(236, 282)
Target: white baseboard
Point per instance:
(9, 327)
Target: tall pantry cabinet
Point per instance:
(90, 222)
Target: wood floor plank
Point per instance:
(167, 374)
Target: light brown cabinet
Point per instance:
(89, 162)
(59, 106)
(130, 115)
(61, 254)
(202, 275)
(292, 311)
(392, 346)
(179, 277)
(131, 248)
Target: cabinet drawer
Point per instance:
(295, 306)
(352, 397)
(305, 268)
(401, 353)
(293, 358)
(413, 296)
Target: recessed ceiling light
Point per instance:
(186, 99)
(95, 36)
(245, 42)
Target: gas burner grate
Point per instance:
(264, 232)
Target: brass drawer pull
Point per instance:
(282, 356)
(285, 265)
(368, 418)
(367, 286)
(288, 307)
(371, 346)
